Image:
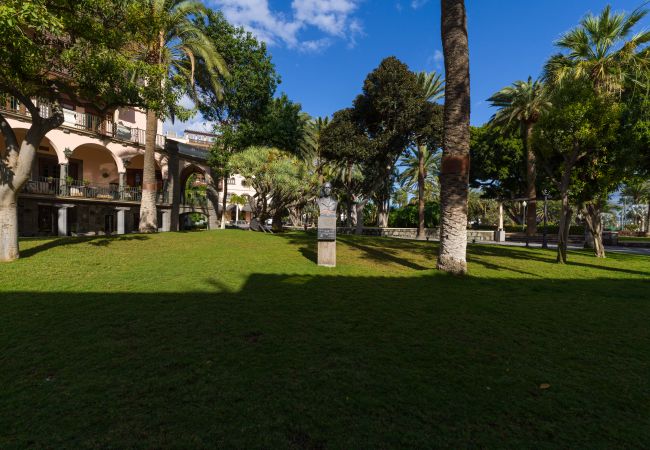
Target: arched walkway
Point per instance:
(134, 172)
(93, 164)
(194, 221)
(47, 158)
(193, 186)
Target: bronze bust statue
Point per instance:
(326, 203)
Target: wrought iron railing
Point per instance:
(87, 190)
(87, 122)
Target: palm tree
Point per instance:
(310, 147)
(173, 43)
(420, 170)
(454, 176)
(432, 87)
(603, 50)
(524, 102)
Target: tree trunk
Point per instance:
(350, 199)
(382, 213)
(647, 221)
(454, 177)
(565, 224)
(224, 203)
(8, 226)
(531, 178)
(421, 177)
(277, 220)
(594, 223)
(359, 207)
(148, 212)
(349, 207)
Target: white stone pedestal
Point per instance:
(327, 253)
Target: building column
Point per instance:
(173, 185)
(121, 219)
(62, 222)
(122, 181)
(236, 213)
(166, 220)
(63, 175)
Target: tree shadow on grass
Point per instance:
(377, 249)
(539, 255)
(97, 241)
(329, 361)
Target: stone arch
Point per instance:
(185, 219)
(100, 165)
(136, 161)
(47, 141)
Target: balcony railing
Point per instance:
(85, 190)
(91, 123)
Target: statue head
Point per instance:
(327, 189)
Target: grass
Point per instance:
(237, 339)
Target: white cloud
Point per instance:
(436, 59)
(333, 18)
(416, 4)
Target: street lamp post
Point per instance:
(523, 221)
(544, 240)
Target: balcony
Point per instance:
(84, 122)
(75, 189)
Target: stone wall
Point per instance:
(411, 233)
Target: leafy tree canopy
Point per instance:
(281, 125)
(249, 88)
(498, 156)
(78, 48)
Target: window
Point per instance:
(231, 180)
(244, 183)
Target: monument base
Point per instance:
(327, 253)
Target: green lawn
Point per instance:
(236, 339)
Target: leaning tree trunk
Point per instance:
(421, 177)
(148, 212)
(595, 226)
(454, 177)
(15, 169)
(8, 224)
(531, 178)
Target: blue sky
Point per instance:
(323, 49)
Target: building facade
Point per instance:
(87, 175)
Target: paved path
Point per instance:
(628, 250)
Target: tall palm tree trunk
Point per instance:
(454, 177)
(148, 212)
(647, 221)
(421, 177)
(531, 179)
